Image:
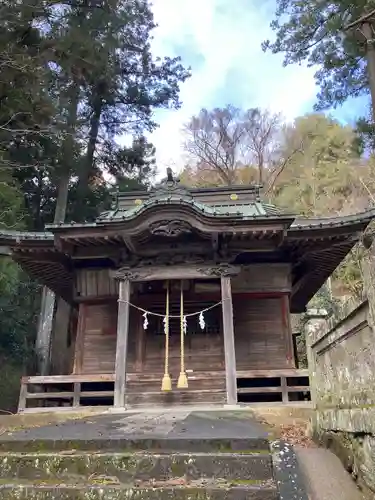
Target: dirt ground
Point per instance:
(292, 424)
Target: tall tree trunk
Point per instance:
(87, 168)
(67, 154)
(368, 31)
(45, 324)
(93, 134)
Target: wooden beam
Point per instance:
(287, 372)
(100, 299)
(261, 390)
(162, 272)
(122, 343)
(229, 347)
(62, 409)
(68, 379)
(129, 243)
(76, 395)
(103, 251)
(50, 395)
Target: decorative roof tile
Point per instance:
(25, 235)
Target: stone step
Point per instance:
(176, 397)
(104, 443)
(166, 491)
(132, 467)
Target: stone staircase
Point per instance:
(116, 475)
(114, 458)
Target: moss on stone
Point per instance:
(178, 468)
(245, 482)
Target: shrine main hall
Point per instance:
(178, 296)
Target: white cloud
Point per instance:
(227, 35)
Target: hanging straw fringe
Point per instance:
(166, 384)
(182, 379)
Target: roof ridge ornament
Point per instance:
(170, 185)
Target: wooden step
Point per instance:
(197, 382)
(151, 386)
(176, 397)
(158, 375)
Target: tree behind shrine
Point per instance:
(75, 75)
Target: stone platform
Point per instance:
(164, 454)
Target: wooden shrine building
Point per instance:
(179, 296)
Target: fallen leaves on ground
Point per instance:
(296, 434)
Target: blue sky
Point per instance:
(221, 41)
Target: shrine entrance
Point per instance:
(182, 332)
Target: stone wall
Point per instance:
(342, 366)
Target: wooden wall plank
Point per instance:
(263, 278)
(99, 350)
(92, 283)
(203, 349)
(259, 334)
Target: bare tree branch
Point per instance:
(223, 139)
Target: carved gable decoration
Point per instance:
(172, 272)
(170, 228)
(220, 270)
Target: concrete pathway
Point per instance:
(325, 477)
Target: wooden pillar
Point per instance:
(80, 340)
(59, 364)
(44, 332)
(229, 348)
(288, 336)
(122, 343)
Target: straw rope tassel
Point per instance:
(166, 384)
(182, 379)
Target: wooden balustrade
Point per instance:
(286, 386)
(64, 392)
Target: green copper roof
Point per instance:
(241, 202)
(248, 210)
